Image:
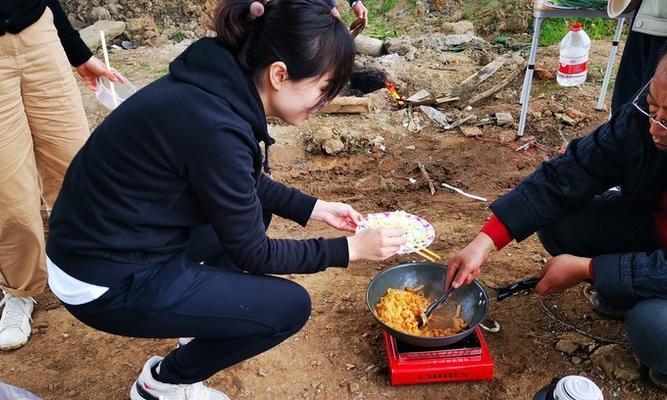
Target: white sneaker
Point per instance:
(147, 388)
(15, 321)
(184, 340)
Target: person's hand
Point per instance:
(465, 266)
(563, 272)
(93, 69)
(375, 244)
(360, 10)
(338, 215)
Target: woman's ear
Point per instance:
(278, 74)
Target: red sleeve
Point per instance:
(497, 231)
(591, 271)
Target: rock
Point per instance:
(350, 366)
(576, 360)
(567, 346)
(262, 372)
(333, 146)
(369, 46)
(504, 119)
(471, 131)
(100, 14)
(401, 46)
(616, 361)
(91, 34)
(353, 387)
(410, 147)
(556, 108)
(575, 114)
(507, 136)
(142, 30)
(566, 119)
(127, 45)
(460, 27)
(543, 74)
(548, 113)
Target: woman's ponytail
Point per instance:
(233, 22)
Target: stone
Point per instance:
(142, 30)
(504, 119)
(566, 119)
(471, 131)
(460, 27)
(575, 114)
(333, 146)
(91, 34)
(100, 14)
(401, 46)
(507, 136)
(369, 46)
(566, 346)
(576, 360)
(544, 74)
(617, 362)
(262, 372)
(353, 387)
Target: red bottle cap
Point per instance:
(576, 27)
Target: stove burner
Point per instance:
(466, 360)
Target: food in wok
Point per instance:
(402, 310)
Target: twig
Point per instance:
(427, 177)
(459, 191)
(574, 328)
(502, 85)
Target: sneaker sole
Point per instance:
(134, 394)
(14, 346)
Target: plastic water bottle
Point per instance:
(573, 61)
(573, 387)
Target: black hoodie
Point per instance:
(182, 152)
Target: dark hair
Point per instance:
(303, 34)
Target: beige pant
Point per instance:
(42, 126)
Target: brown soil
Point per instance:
(339, 354)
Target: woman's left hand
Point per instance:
(93, 69)
(338, 215)
(563, 272)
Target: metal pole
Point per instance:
(610, 63)
(529, 74)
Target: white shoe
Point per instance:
(15, 321)
(184, 340)
(147, 388)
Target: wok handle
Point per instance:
(516, 287)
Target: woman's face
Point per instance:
(292, 101)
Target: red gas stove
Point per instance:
(467, 360)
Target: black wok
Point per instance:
(473, 298)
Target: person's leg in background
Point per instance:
(53, 104)
(42, 126)
(646, 323)
(22, 272)
(638, 63)
(232, 315)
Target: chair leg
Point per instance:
(528, 80)
(610, 63)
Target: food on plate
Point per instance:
(402, 310)
(419, 233)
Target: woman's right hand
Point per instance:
(375, 244)
(466, 265)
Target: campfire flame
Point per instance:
(392, 89)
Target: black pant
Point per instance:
(232, 315)
(607, 225)
(638, 64)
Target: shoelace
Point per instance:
(14, 312)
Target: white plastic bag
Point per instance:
(121, 91)
(9, 392)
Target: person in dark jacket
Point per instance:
(615, 238)
(160, 228)
(42, 126)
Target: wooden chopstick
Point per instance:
(425, 256)
(432, 254)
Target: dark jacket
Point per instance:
(618, 153)
(179, 153)
(16, 15)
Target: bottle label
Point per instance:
(572, 66)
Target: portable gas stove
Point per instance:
(467, 360)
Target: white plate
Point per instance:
(420, 233)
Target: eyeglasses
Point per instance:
(643, 94)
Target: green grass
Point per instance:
(553, 30)
(379, 25)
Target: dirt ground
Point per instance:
(339, 354)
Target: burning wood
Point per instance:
(394, 92)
